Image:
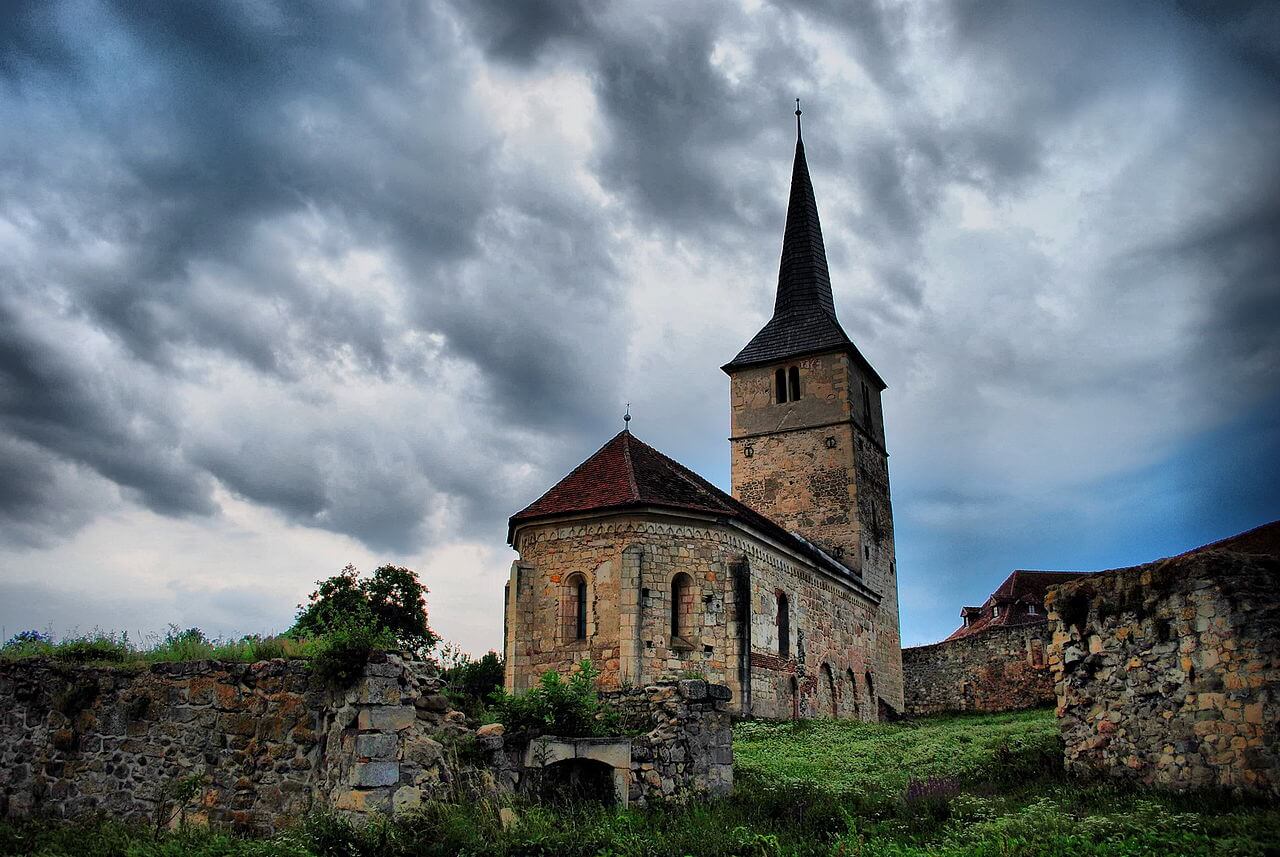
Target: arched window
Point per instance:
(681, 605)
(795, 699)
(866, 404)
(784, 625)
(853, 690)
(780, 385)
(793, 384)
(871, 688)
(573, 608)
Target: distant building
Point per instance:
(995, 660)
(1017, 601)
(786, 590)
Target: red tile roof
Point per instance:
(1020, 589)
(628, 473)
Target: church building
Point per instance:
(786, 590)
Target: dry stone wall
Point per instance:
(262, 744)
(684, 749)
(75, 740)
(1169, 673)
(999, 669)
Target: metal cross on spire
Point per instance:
(797, 119)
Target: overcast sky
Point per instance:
(287, 287)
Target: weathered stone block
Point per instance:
(374, 774)
(376, 746)
(386, 718)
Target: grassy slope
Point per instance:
(879, 760)
(950, 786)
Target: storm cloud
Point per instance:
(363, 279)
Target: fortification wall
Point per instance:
(249, 746)
(1169, 673)
(253, 747)
(998, 669)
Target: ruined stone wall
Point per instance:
(685, 749)
(1169, 673)
(75, 740)
(261, 743)
(999, 669)
(836, 639)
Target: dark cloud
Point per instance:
(388, 270)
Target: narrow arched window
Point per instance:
(780, 385)
(853, 690)
(573, 608)
(793, 384)
(784, 625)
(795, 698)
(871, 687)
(681, 605)
(866, 404)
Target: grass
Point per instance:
(949, 786)
(880, 760)
(109, 648)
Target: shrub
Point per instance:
(568, 708)
(94, 648)
(338, 657)
(392, 599)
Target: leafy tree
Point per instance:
(390, 602)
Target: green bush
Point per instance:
(568, 708)
(338, 657)
(98, 647)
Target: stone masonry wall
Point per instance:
(999, 669)
(685, 750)
(263, 741)
(1169, 673)
(818, 466)
(836, 638)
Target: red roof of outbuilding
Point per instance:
(1022, 587)
(628, 473)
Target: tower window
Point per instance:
(780, 384)
(793, 384)
(784, 625)
(681, 605)
(866, 404)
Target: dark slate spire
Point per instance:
(804, 312)
(803, 279)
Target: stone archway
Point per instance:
(588, 765)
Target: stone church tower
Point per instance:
(807, 428)
(784, 591)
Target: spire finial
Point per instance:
(626, 419)
(798, 120)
